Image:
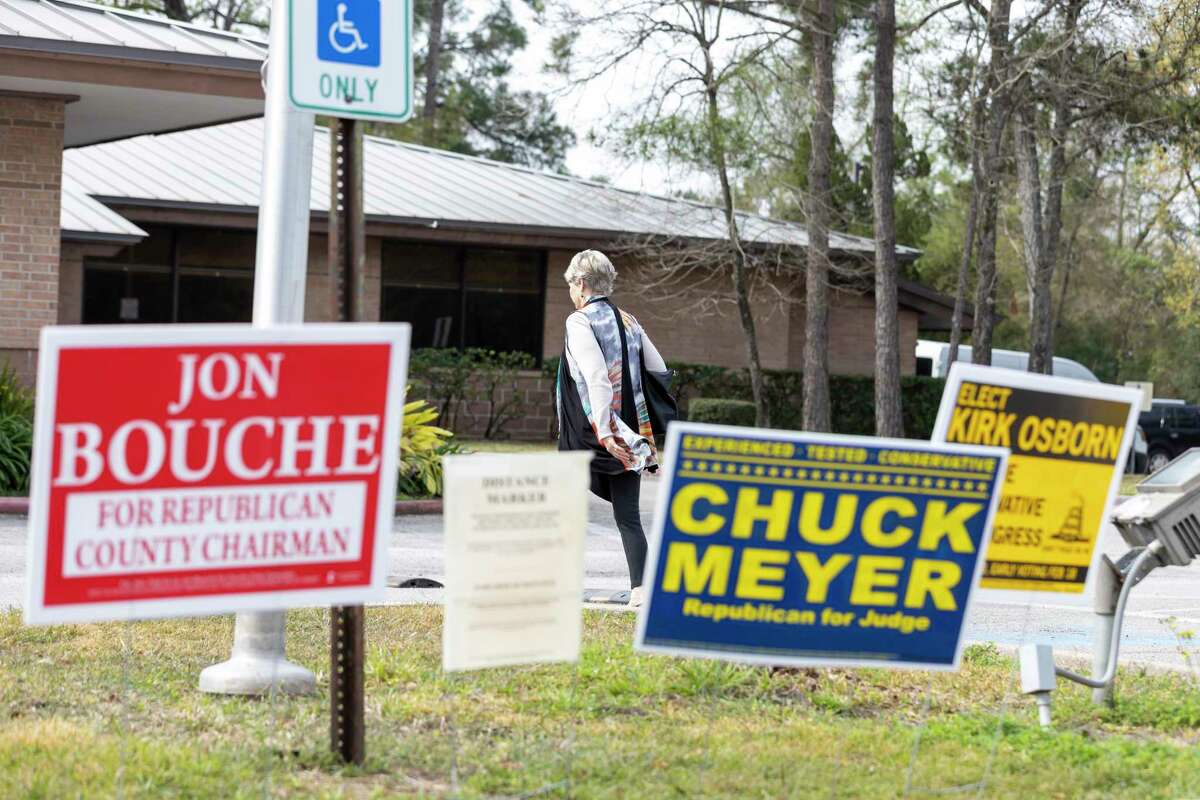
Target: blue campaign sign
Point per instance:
(790, 548)
(348, 32)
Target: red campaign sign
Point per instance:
(191, 470)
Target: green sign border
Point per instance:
(339, 111)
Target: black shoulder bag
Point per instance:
(656, 387)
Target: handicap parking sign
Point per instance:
(348, 32)
(350, 58)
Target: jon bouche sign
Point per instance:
(779, 547)
(189, 470)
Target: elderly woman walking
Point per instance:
(601, 404)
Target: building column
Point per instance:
(31, 144)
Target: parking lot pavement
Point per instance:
(1162, 609)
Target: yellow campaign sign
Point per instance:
(1069, 440)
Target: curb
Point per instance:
(417, 507)
(20, 505)
(14, 505)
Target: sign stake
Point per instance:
(258, 665)
(347, 730)
(347, 257)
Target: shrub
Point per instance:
(852, 397)
(497, 372)
(441, 375)
(448, 378)
(422, 445)
(14, 397)
(16, 450)
(16, 433)
(720, 411)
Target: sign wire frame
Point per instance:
(274, 692)
(126, 691)
(461, 681)
(979, 786)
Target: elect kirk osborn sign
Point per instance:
(203, 469)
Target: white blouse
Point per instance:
(585, 359)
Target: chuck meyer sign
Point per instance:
(191, 470)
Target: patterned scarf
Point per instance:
(629, 425)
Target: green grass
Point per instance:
(1129, 484)
(112, 710)
(494, 446)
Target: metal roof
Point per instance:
(84, 219)
(83, 28)
(219, 168)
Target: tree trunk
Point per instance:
(1041, 227)
(740, 287)
(1121, 201)
(817, 411)
(998, 94)
(1060, 128)
(969, 239)
(1038, 271)
(889, 420)
(433, 66)
(177, 9)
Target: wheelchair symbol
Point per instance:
(349, 32)
(343, 28)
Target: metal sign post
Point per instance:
(347, 256)
(351, 59)
(258, 664)
(359, 68)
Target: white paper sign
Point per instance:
(515, 526)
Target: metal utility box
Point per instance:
(1167, 509)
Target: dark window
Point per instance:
(174, 275)
(465, 297)
(215, 295)
(113, 294)
(503, 271)
(217, 249)
(504, 322)
(1182, 417)
(433, 314)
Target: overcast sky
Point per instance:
(584, 111)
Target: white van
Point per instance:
(933, 359)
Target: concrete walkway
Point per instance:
(1163, 606)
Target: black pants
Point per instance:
(624, 492)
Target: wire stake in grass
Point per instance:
(126, 646)
(272, 701)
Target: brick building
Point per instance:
(72, 74)
(131, 224)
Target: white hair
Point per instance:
(593, 268)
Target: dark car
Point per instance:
(1171, 428)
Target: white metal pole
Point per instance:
(1104, 602)
(258, 664)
